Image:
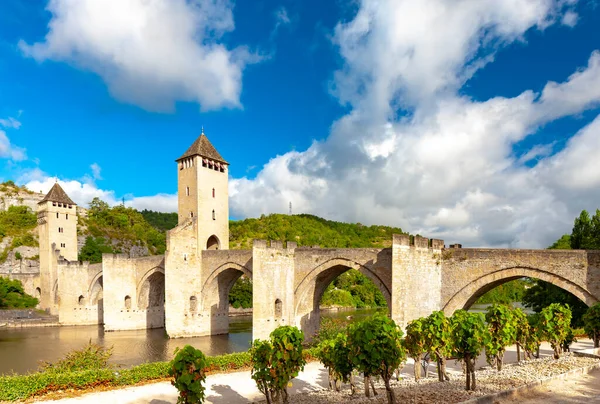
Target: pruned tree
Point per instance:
(438, 340)
(376, 349)
(470, 335)
(555, 323)
(415, 343)
(503, 332)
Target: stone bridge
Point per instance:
(187, 290)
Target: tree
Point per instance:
(188, 370)
(276, 361)
(376, 350)
(591, 324)
(542, 294)
(470, 335)
(532, 346)
(93, 249)
(12, 295)
(555, 323)
(522, 329)
(438, 339)
(503, 332)
(415, 343)
(334, 354)
(241, 293)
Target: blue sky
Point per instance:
(476, 122)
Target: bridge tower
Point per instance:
(203, 193)
(57, 229)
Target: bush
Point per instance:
(438, 340)
(90, 357)
(188, 370)
(591, 323)
(376, 349)
(415, 343)
(12, 295)
(277, 361)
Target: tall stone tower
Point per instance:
(203, 193)
(57, 227)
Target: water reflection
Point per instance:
(21, 350)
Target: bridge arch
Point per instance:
(309, 291)
(466, 296)
(215, 294)
(151, 289)
(96, 295)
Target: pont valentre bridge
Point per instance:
(186, 290)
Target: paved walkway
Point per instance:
(239, 387)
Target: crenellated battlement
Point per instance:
(274, 244)
(405, 240)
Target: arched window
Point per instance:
(213, 215)
(213, 243)
(127, 302)
(81, 300)
(278, 308)
(38, 293)
(193, 303)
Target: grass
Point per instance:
(89, 368)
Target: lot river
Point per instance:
(22, 349)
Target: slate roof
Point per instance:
(57, 194)
(203, 147)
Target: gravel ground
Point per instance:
(431, 391)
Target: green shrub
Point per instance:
(555, 324)
(591, 323)
(470, 335)
(90, 357)
(276, 361)
(415, 343)
(522, 331)
(376, 350)
(12, 295)
(503, 332)
(438, 340)
(188, 370)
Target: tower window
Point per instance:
(67, 216)
(57, 215)
(213, 214)
(53, 203)
(191, 214)
(187, 191)
(213, 192)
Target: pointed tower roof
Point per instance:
(203, 147)
(57, 194)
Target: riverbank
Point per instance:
(310, 385)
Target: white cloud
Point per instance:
(82, 193)
(10, 122)
(570, 19)
(96, 171)
(149, 53)
(447, 168)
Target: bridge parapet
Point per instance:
(404, 240)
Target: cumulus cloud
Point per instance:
(82, 193)
(149, 53)
(9, 150)
(416, 153)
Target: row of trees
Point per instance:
(376, 348)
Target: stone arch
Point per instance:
(151, 289)
(213, 243)
(96, 295)
(278, 309)
(38, 293)
(307, 295)
(215, 295)
(466, 296)
(81, 300)
(326, 272)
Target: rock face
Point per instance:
(11, 197)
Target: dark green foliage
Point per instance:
(554, 326)
(532, 346)
(12, 295)
(329, 329)
(437, 331)
(93, 249)
(586, 232)
(502, 326)
(188, 371)
(542, 294)
(335, 355)
(506, 293)
(124, 224)
(308, 230)
(90, 357)
(376, 349)
(591, 324)
(241, 293)
(563, 243)
(277, 361)
(159, 220)
(470, 335)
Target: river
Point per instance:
(22, 349)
